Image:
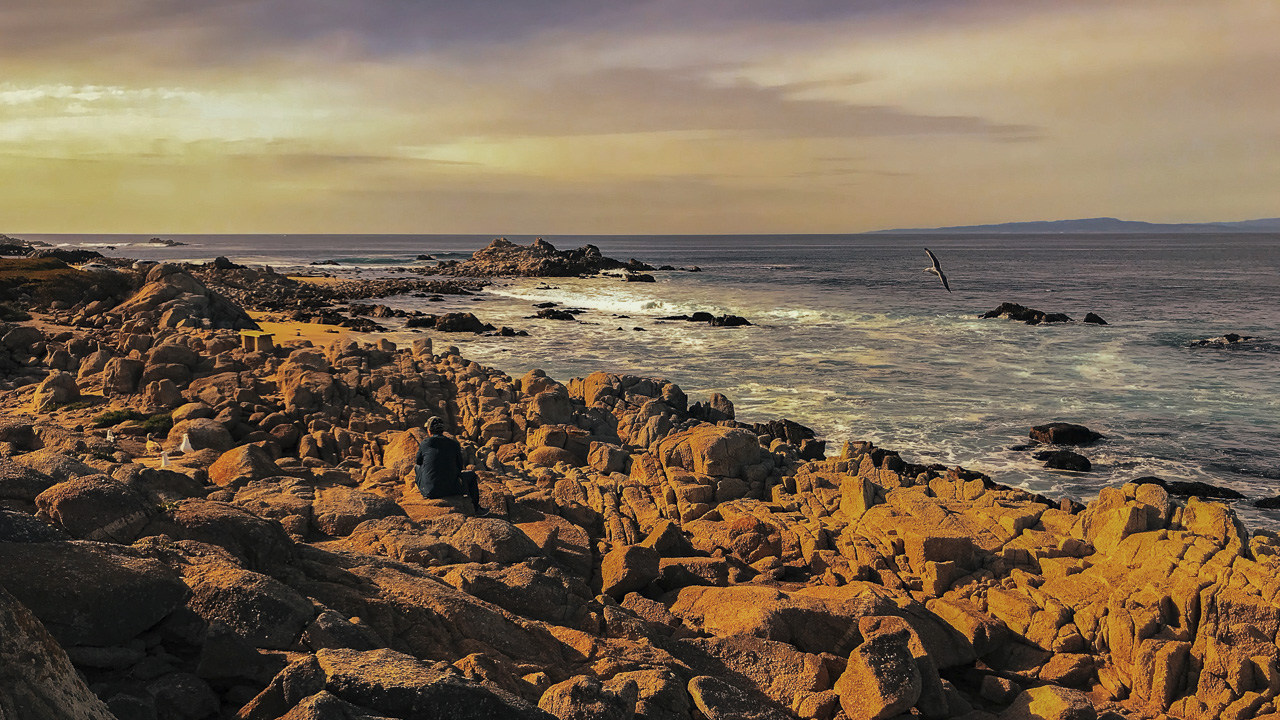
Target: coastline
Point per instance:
(645, 547)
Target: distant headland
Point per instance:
(1100, 225)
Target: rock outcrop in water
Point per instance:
(1021, 313)
(538, 259)
(646, 558)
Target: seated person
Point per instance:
(439, 468)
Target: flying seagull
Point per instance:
(937, 269)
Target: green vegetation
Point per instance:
(78, 405)
(160, 423)
(111, 418)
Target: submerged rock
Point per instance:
(1064, 460)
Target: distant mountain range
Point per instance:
(1100, 225)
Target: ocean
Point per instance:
(850, 337)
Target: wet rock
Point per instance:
(1064, 460)
(37, 680)
(1014, 311)
(1093, 319)
(729, 321)
(1228, 340)
(1060, 433)
(1192, 488)
(553, 314)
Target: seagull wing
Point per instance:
(936, 267)
(943, 278)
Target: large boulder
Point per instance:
(20, 482)
(385, 683)
(53, 463)
(1050, 703)
(95, 508)
(261, 544)
(306, 383)
(37, 681)
(121, 376)
(242, 465)
(627, 569)
(711, 450)
(261, 609)
(582, 697)
(204, 433)
(1060, 433)
(338, 510)
(59, 388)
(90, 593)
(447, 540)
(881, 680)
(716, 699)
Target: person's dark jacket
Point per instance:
(439, 462)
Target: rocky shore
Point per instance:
(646, 557)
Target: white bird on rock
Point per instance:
(111, 437)
(185, 446)
(164, 459)
(153, 447)
(937, 269)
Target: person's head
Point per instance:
(434, 426)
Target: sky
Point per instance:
(645, 116)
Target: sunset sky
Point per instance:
(652, 116)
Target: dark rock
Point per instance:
(20, 482)
(1271, 503)
(639, 277)
(729, 321)
(552, 314)
(1064, 460)
(19, 527)
(262, 610)
(1093, 319)
(1014, 311)
(261, 544)
(1060, 433)
(222, 263)
(1192, 488)
(37, 680)
(90, 593)
(1223, 341)
(95, 508)
(538, 259)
